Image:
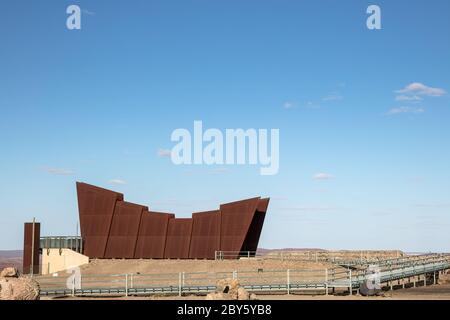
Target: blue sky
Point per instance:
(363, 115)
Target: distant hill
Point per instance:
(10, 253)
(265, 251)
(11, 258)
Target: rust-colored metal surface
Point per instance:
(236, 218)
(254, 233)
(112, 228)
(178, 238)
(151, 240)
(96, 208)
(263, 204)
(205, 239)
(124, 230)
(30, 251)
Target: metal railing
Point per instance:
(344, 257)
(62, 242)
(222, 255)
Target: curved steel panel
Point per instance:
(178, 238)
(236, 218)
(151, 240)
(205, 239)
(124, 230)
(96, 209)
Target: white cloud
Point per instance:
(164, 153)
(59, 171)
(117, 182)
(421, 89)
(335, 96)
(401, 110)
(404, 97)
(312, 105)
(289, 105)
(323, 176)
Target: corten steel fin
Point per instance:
(178, 238)
(236, 218)
(124, 230)
(96, 207)
(252, 238)
(263, 204)
(30, 251)
(205, 239)
(151, 240)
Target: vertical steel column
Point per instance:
(32, 248)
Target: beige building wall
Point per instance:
(55, 260)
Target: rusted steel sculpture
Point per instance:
(113, 228)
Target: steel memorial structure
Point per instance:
(114, 228)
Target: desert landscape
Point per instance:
(11, 258)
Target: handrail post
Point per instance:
(73, 286)
(288, 281)
(179, 284)
(326, 281)
(126, 285)
(350, 282)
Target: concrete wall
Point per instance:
(55, 260)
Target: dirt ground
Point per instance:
(272, 261)
(175, 266)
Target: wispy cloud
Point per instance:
(289, 105)
(417, 88)
(117, 182)
(164, 153)
(312, 105)
(59, 171)
(401, 110)
(403, 97)
(433, 205)
(219, 170)
(334, 96)
(308, 208)
(323, 176)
